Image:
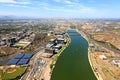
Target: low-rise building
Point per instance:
(22, 44)
(60, 40)
(50, 50)
(117, 62)
(49, 45)
(11, 41)
(2, 43)
(58, 47)
(103, 57)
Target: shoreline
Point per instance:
(53, 60)
(98, 76)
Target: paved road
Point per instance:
(32, 63)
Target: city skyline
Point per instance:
(61, 8)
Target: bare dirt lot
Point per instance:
(105, 68)
(5, 50)
(112, 37)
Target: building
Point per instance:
(117, 62)
(23, 61)
(50, 50)
(58, 47)
(2, 43)
(103, 57)
(11, 41)
(60, 40)
(13, 61)
(49, 45)
(22, 44)
(20, 59)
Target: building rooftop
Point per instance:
(19, 56)
(23, 61)
(13, 61)
(60, 39)
(20, 59)
(58, 45)
(27, 56)
(49, 45)
(52, 39)
(102, 56)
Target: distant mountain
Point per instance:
(11, 17)
(8, 17)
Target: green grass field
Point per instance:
(13, 75)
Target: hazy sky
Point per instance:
(61, 8)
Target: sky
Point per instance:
(61, 8)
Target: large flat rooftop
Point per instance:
(20, 59)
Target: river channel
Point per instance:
(73, 63)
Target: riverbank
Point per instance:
(103, 69)
(55, 57)
(47, 71)
(98, 76)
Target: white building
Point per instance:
(103, 57)
(117, 62)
